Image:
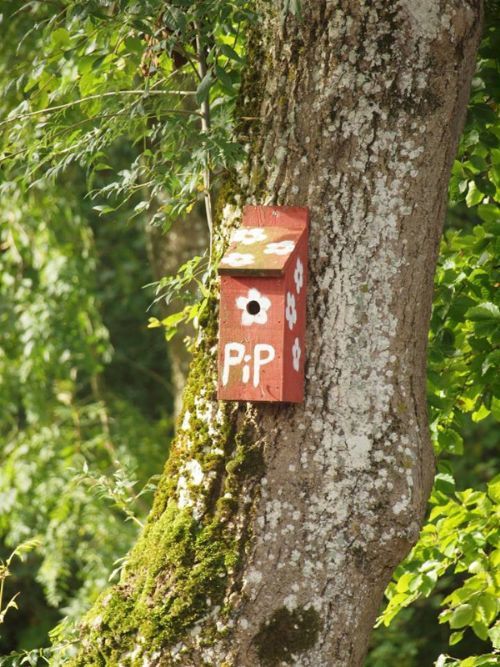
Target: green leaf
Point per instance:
(474, 195)
(486, 608)
(174, 319)
(494, 635)
(203, 89)
(103, 209)
(484, 185)
(134, 45)
(494, 489)
(495, 408)
(479, 162)
(456, 637)
(11, 604)
(60, 38)
(142, 206)
(485, 311)
(25, 547)
(230, 53)
(489, 212)
(445, 483)
(224, 78)
(480, 414)
(462, 616)
(491, 361)
(483, 113)
(480, 629)
(404, 582)
(451, 441)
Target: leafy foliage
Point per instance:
(147, 71)
(19, 552)
(64, 409)
(165, 77)
(176, 289)
(462, 533)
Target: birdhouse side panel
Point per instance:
(295, 325)
(251, 334)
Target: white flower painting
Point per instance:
(296, 352)
(279, 248)
(290, 310)
(254, 307)
(248, 235)
(298, 275)
(238, 259)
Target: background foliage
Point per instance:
(83, 400)
(118, 115)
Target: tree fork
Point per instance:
(275, 529)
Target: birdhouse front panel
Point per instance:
(262, 307)
(251, 339)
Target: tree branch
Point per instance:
(205, 127)
(89, 98)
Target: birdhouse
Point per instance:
(263, 307)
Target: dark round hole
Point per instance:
(253, 307)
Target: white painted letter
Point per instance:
(261, 361)
(231, 359)
(246, 369)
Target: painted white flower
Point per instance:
(298, 275)
(296, 352)
(279, 248)
(238, 259)
(248, 236)
(254, 307)
(290, 310)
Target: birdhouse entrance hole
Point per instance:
(253, 307)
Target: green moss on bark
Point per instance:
(181, 566)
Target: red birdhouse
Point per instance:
(263, 307)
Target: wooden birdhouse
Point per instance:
(263, 307)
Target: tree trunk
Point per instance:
(275, 528)
(167, 252)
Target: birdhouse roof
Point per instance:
(260, 250)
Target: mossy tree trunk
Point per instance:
(275, 528)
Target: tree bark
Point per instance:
(275, 528)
